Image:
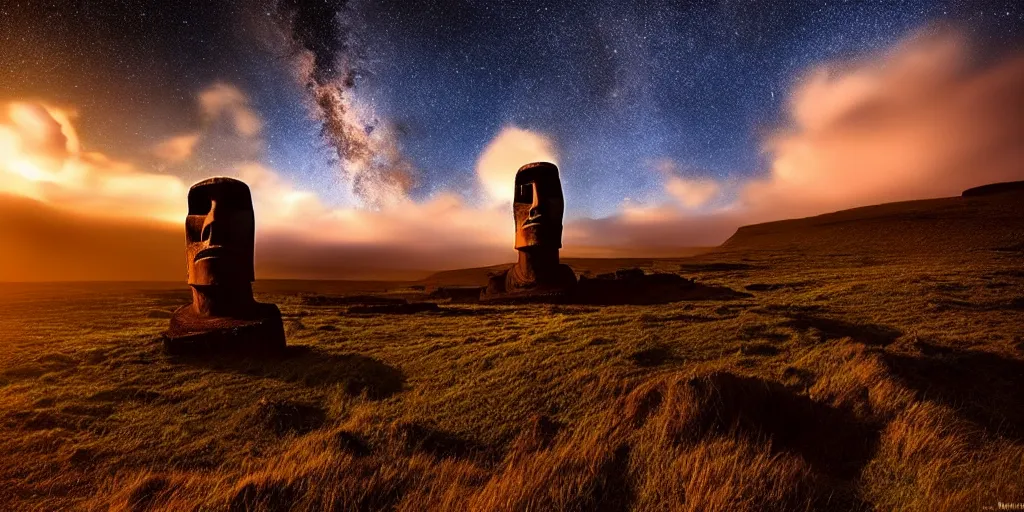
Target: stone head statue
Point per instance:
(538, 206)
(219, 245)
(219, 233)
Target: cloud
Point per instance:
(692, 193)
(229, 128)
(505, 154)
(41, 157)
(46, 243)
(229, 102)
(689, 192)
(58, 200)
(649, 231)
(178, 148)
(927, 118)
(923, 119)
(440, 232)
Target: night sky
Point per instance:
(616, 85)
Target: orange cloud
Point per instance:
(41, 158)
(442, 221)
(918, 121)
(505, 154)
(177, 149)
(692, 193)
(923, 119)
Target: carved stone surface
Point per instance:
(537, 208)
(508, 287)
(195, 334)
(220, 240)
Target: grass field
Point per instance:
(877, 363)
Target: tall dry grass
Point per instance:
(851, 385)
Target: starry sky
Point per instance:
(616, 85)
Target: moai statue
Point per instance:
(219, 244)
(537, 208)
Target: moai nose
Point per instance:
(535, 205)
(211, 218)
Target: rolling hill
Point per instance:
(932, 227)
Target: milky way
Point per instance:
(618, 86)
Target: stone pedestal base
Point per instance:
(557, 291)
(260, 333)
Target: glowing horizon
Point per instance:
(894, 125)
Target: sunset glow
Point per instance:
(897, 125)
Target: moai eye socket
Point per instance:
(524, 193)
(198, 204)
(232, 202)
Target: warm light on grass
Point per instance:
(844, 382)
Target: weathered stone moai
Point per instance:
(537, 207)
(219, 244)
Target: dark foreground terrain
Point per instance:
(870, 359)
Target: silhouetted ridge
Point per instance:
(987, 219)
(995, 188)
